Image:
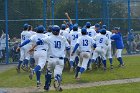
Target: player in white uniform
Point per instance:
(85, 44)
(108, 50)
(91, 32)
(24, 55)
(72, 38)
(49, 31)
(32, 60)
(40, 54)
(101, 42)
(57, 45)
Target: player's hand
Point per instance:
(66, 14)
(17, 50)
(31, 50)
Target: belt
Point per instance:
(41, 49)
(57, 57)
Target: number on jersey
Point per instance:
(57, 44)
(85, 42)
(75, 37)
(107, 36)
(23, 37)
(89, 33)
(101, 40)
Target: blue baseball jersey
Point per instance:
(118, 40)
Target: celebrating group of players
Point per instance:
(81, 47)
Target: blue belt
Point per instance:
(41, 49)
(57, 57)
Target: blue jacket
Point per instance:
(118, 40)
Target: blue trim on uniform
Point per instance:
(25, 42)
(75, 48)
(67, 48)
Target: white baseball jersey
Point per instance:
(32, 32)
(57, 45)
(108, 35)
(64, 33)
(91, 32)
(40, 54)
(73, 36)
(35, 38)
(101, 40)
(25, 35)
(85, 43)
(48, 33)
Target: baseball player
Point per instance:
(72, 38)
(108, 50)
(49, 31)
(85, 44)
(24, 55)
(40, 54)
(117, 37)
(32, 60)
(101, 42)
(57, 45)
(91, 32)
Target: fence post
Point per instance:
(76, 12)
(129, 16)
(44, 13)
(52, 4)
(6, 29)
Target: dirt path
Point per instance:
(69, 86)
(4, 67)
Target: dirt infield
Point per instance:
(70, 86)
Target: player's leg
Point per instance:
(119, 57)
(48, 74)
(41, 63)
(20, 60)
(32, 60)
(103, 56)
(58, 74)
(109, 53)
(85, 56)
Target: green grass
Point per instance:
(119, 88)
(10, 78)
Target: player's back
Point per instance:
(57, 45)
(64, 33)
(25, 35)
(91, 32)
(108, 35)
(48, 33)
(101, 40)
(73, 36)
(36, 37)
(85, 43)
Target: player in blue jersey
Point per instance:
(117, 37)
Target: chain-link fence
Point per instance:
(121, 13)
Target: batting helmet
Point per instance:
(104, 26)
(88, 24)
(84, 31)
(63, 26)
(97, 25)
(103, 31)
(40, 29)
(55, 30)
(75, 27)
(25, 26)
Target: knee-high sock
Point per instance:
(110, 59)
(104, 63)
(19, 64)
(120, 60)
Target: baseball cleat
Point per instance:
(79, 76)
(57, 86)
(38, 84)
(31, 74)
(18, 70)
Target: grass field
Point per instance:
(11, 78)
